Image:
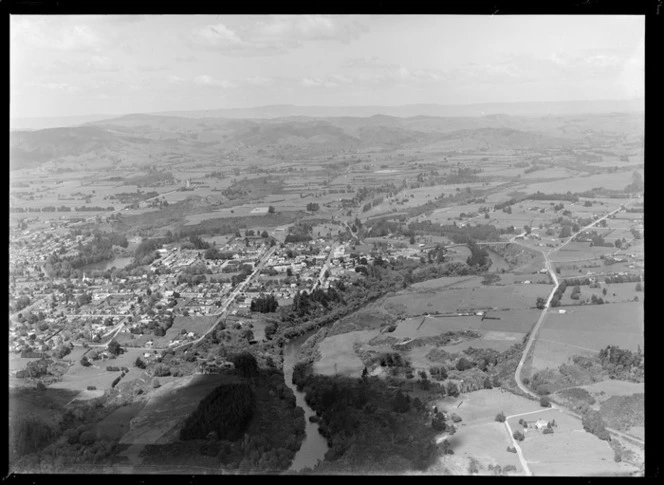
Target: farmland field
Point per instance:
(611, 181)
(78, 378)
(597, 326)
(569, 450)
(585, 330)
(338, 355)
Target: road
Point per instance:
(325, 267)
(231, 298)
(536, 328)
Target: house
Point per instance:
(541, 424)
(562, 312)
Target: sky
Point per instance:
(114, 64)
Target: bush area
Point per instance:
(226, 411)
(623, 412)
(593, 422)
(369, 426)
(271, 439)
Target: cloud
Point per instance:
(42, 34)
(152, 68)
(276, 34)
(188, 58)
(259, 80)
(66, 87)
(372, 62)
(206, 80)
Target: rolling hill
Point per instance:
(143, 137)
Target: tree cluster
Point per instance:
(264, 304)
(227, 411)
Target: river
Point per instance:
(314, 445)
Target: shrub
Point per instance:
(518, 435)
(139, 363)
(511, 449)
(92, 388)
(29, 434)
(545, 402)
(86, 438)
(162, 370)
(85, 362)
(71, 435)
(547, 431)
(510, 468)
(112, 368)
(500, 417)
(456, 418)
(115, 382)
(438, 422)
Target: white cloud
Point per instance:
(276, 34)
(372, 62)
(66, 87)
(259, 80)
(39, 33)
(206, 80)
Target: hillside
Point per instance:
(135, 139)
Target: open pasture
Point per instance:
(569, 450)
(445, 283)
(549, 354)
(615, 293)
(585, 330)
(550, 173)
(468, 295)
(611, 181)
(510, 328)
(487, 443)
(580, 251)
(197, 324)
(605, 389)
(496, 340)
(338, 355)
(78, 377)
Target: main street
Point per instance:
(222, 313)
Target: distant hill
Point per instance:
(437, 110)
(404, 111)
(136, 139)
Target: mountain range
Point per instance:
(404, 111)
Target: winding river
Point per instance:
(314, 445)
